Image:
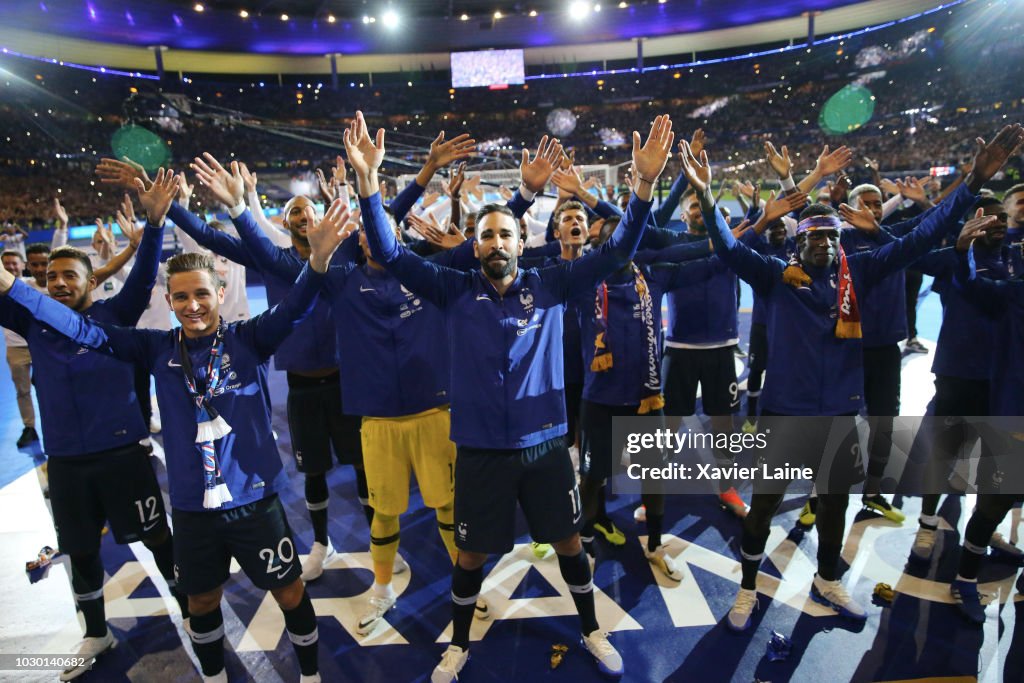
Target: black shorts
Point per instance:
(316, 423)
(256, 534)
(882, 368)
(573, 396)
(116, 487)
(489, 482)
(600, 454)
(714, 369)
(757, 358)
(829, 445)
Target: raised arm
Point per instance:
(582, 275)
(762, 272)
(278, 236)
(120, 342)
(365, 156)
(442, 153)
(60, 229)
(126, 221)
(989, 295)
(134, 297)
(902, 252)
(269, 329)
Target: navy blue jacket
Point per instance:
(507, 387)
(87, 400)
(623, 383)
(810, 371)
(248, 457)
(1003, 299)
(966, 327)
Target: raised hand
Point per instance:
(650, 159)
(325, 236)
(833, 162)
(60, 214)
(227, 186)
(184, 191)
(248, 178)
(741, 228)
(912, 189)
(103, 240)
(506, 193)
(364, 155)
(777, 207)
(568, 160)
(698, 171)
(862, 219)
(126, 221)
(157, 198)
(453, 187)
(839, 190)
(780, 163)
(569, 182)
(990, 157)
(121, 173)
(430, 197)
(974, 228)
(434, 233)
(537, 172)
(697, 142)
(444, 152)
(888, 186)
(871, 163)
(472, 186)
(326, 188)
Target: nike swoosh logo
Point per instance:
(285, 572)
(482, 297)
(366, 289)
(173, 364)
(147, 528)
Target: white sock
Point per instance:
(383, 590)
(960, 578)
(930, 520)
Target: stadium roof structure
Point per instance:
(293, 36)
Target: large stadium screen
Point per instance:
(486, 68)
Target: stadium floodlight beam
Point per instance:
(579, 10)
(390, 19)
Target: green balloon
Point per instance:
(847, 110)
(141, 146)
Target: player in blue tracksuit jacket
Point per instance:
(884, 325)
(92, 425)
(395, 374)
(815, 350)
(961, 374)
(780, 246)
(224, 469)
(1003, 299)
(317, 419)
(1013, 205)
(508, 408)
(621, 326)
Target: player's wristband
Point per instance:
(526, 193)
(787, 183)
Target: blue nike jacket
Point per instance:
(507, 368)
